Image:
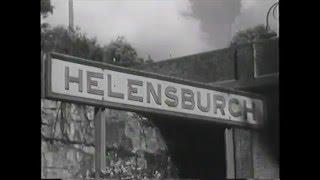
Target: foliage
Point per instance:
(74, 42)
(121, 52)
(46, 8)
(252, 34)
(62, 40)
(135, 167)
(149, 60)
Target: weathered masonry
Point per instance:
(248, 153)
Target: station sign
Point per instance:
(73, 79)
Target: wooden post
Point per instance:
(43, 56)
(243, 153)
(229, 144)
(100, 141)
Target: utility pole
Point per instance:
(71, 14)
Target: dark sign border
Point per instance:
(48, 94)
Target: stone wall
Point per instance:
(135, 147)
(66, 147)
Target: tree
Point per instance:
(252, 34)
(46, 8)
(149, 60)
(120, 52)
(62, 40)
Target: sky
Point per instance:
(164, 29)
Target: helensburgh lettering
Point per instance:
(107, 86)
(159, 94)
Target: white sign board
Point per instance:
(99, 84)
